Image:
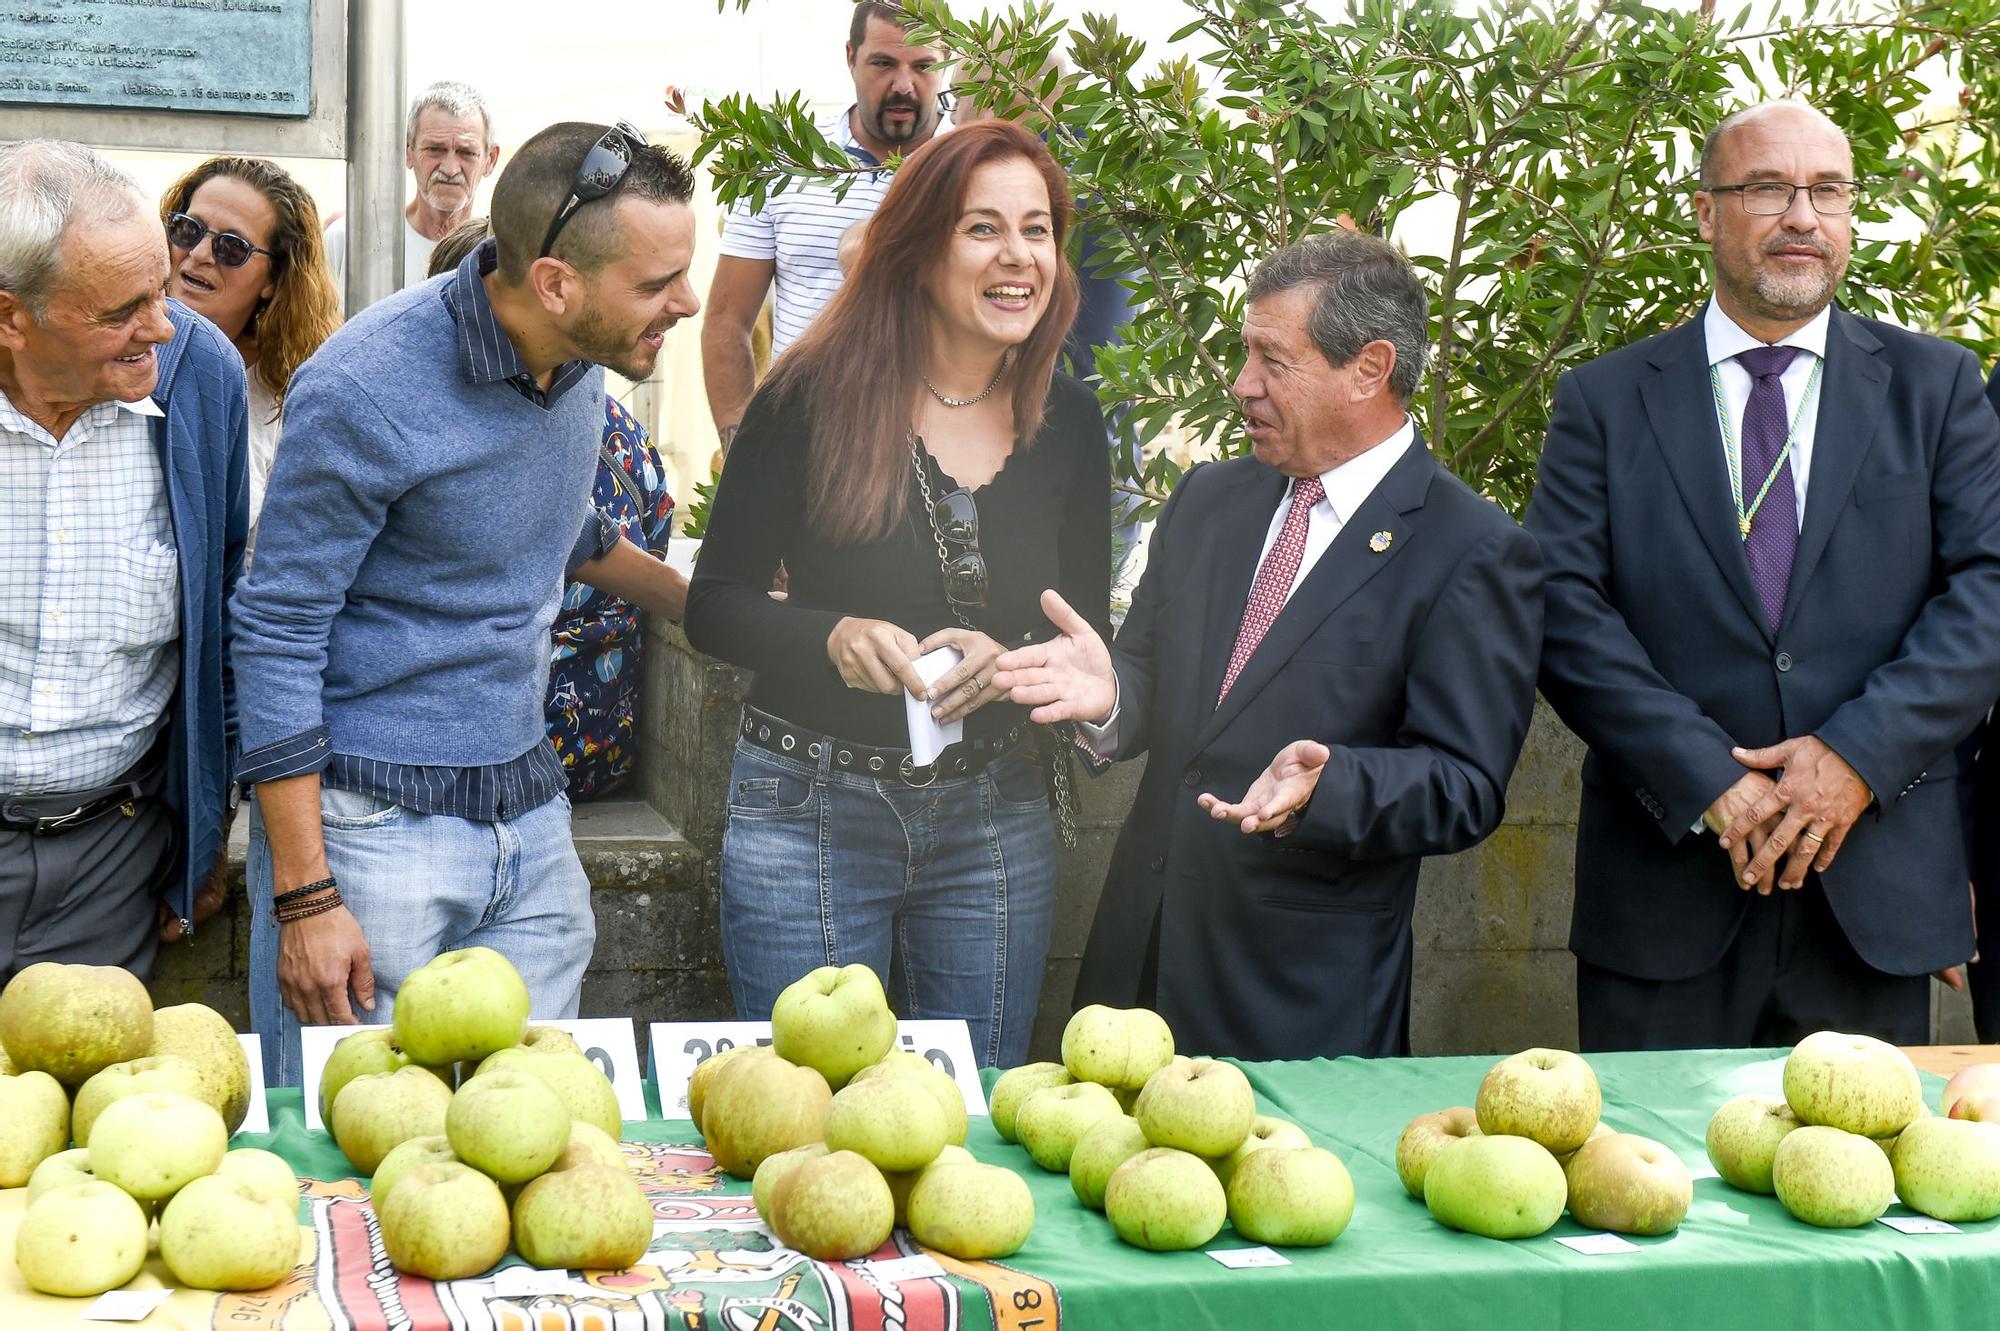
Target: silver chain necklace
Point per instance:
(983, 394)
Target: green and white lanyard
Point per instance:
(1734, 452)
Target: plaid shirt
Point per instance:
(89, 598)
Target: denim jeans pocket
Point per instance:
(1017, 782)
(780, 796)
(352, 811)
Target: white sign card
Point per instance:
(1244, 1259)
(125, 1305)
(921, 1266)
(1918, 1224)
(681, 1046)
(1596, 1245)
(259, 1117)
(608, 1041)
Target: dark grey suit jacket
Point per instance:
(1409, 649)
(1660, 658)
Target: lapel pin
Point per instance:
(1380, 541)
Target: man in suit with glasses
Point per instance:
(1773, 537)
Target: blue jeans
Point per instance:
(421, 884)
(953, 885)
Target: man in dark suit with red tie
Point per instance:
(1339, 637)
(1773, 538)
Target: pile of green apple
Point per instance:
(845, 1137)
(1531, 1145)
(1853, 1134)
(479, 1132)
(149, 1099)
(1166, 1146)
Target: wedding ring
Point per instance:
(1813, 837)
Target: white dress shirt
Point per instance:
(1347, 485)
(1725, 339)
(89, 598)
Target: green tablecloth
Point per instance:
(1738, 1261)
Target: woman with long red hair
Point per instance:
(921, 472)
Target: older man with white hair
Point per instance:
(448, 146)
(123, 509)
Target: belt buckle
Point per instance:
(49, 826)
(908, 770)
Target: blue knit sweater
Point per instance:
(412, 550)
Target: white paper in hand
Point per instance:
(927, 737)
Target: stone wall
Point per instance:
(1493, 972)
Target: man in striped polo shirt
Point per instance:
(795, 237)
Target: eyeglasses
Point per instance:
(1770, 198)
(602, 172)
(956, 519)
(230, 250)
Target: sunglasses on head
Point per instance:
(957, 521)
(601, 173)
(230, 250)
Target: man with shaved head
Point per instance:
(1773, 541)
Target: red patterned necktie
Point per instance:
(1274, 578)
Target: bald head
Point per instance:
(1787, 120)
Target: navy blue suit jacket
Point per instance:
(1659, 656)
(1410, 650)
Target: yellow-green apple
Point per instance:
(901, 1182)
(1293, 1196)
(155, 1072)
(154, 1143)
(550, 1040)
(1549, 1096)
(584, 1090)
(507, 1125)
(263, 1172)
(444, 1222)
(1053, 1120)
(774, 1167)
(835, 1019)
(34, 1124)
(1116, 1047)
(1743, 1140)
(833, 1208)
(52, 1258)
(460, 1005)
(1628, 1185)
(378, 1111)
(1426, 1136)
(706, 1071)
(64, 1169)
(586, 1218)
(1016, 1085)
(894, 1122)
(1852, 1082)
(362, 1054)
(1831, 1178)
(402, 1159)
(973, 1212)
(1949, 1168)
(1602, 1129)
(903, 1063)
(1974, 1093)
(1501, 1187)
(223, 1233)
(73, 1021)
(1205, 1107)
(589, 1145)
(1265, 1132)
(1104, 1145)
(205, 1038)
(757, 1107)
(1165, 1200)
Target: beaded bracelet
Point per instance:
(302, 893)
(309, 909)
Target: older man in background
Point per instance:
(448, 146)
(123, 510)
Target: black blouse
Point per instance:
(1044, 521)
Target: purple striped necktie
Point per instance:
(1774, 530)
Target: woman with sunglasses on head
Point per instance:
(246, 252)
(921, 472)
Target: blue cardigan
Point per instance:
(203, 440)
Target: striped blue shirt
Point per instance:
(441, 587)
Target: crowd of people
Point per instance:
(382, 580)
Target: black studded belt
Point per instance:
(777, 735)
